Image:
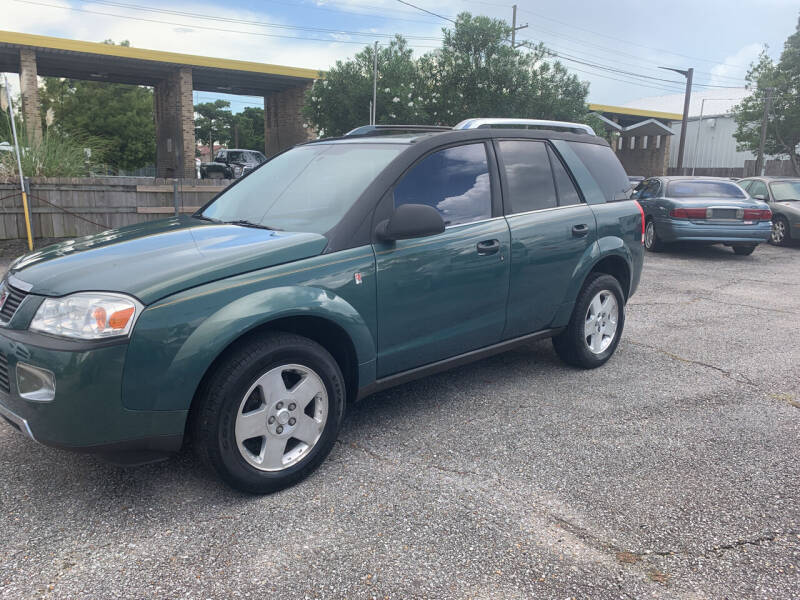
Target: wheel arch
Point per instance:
(616, 266)
(167, 366)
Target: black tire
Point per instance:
(571, 344)
(221, 395)
(744, 250)
(651, 240)
(779, 237)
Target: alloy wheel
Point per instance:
(281, 417)
(600, 325)
(649, 234)
(778, 231)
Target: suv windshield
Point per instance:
(308, 188)
(704, 189)
(785, 190)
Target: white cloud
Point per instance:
(735, 66)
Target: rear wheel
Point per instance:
(651, 240)
(780, 231)
(596, 324)
(744, 250)
(270, 413)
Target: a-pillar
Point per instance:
(29, 89)
(284, 125)
(174, 117)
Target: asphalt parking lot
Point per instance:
(672, 472)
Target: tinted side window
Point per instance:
(745, 185)
(651, 189)
(567, 194)
(758, 188)
(454, 181)
(605, 168)
(530, 181)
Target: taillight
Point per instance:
(757, 214)
(641, 210)
(688, 213)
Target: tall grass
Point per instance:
(56, 155)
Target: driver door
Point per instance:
(445, 294)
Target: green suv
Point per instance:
(336, 269)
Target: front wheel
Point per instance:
(270, 412)
(596, 323)
(780, 232)
(744, 250)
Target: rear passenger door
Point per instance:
(551, 229)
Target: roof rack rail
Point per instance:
(524, 124)
(366, 130)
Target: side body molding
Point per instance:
(179, 338)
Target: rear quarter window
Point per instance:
(605, 169)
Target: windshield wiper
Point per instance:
(246, 223)
(205, 218)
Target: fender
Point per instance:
(600, 249)
(176, 357)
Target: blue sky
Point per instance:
(719, 38)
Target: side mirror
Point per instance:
(761, 197)
(410, 221)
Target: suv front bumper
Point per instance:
(87, 413)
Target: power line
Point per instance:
(220, 29)
(255, 23)
(607, 50)
(618, 39)
(426, 11)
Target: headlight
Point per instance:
(87, 315)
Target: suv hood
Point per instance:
(153, 260)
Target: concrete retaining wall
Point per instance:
(69, 207)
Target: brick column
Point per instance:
(29, 89)
(283, 122)
(174, 117)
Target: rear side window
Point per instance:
(703, 189)
(567, 194)
(605, 169)
(454, 181)
(759, 188)
(530, 181)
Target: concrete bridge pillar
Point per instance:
(174, 119)
(283, 122)
(29, 89)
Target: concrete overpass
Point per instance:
(173, 76)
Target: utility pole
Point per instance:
(18, 152)
(689, 73)
(697, 136)
(761, 163)
(374, 84)
(514, 27)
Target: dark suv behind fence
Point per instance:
(336, 269)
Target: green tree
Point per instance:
(477, 73)
(213, 122)
(474, 73)
(249, 126)
(783, 123)
(119, 115)
(340, 101)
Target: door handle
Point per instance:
(488, 247)
(580, 230)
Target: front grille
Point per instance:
(4, 383)
(15, 298)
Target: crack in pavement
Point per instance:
(737, 377)
(759, 541)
